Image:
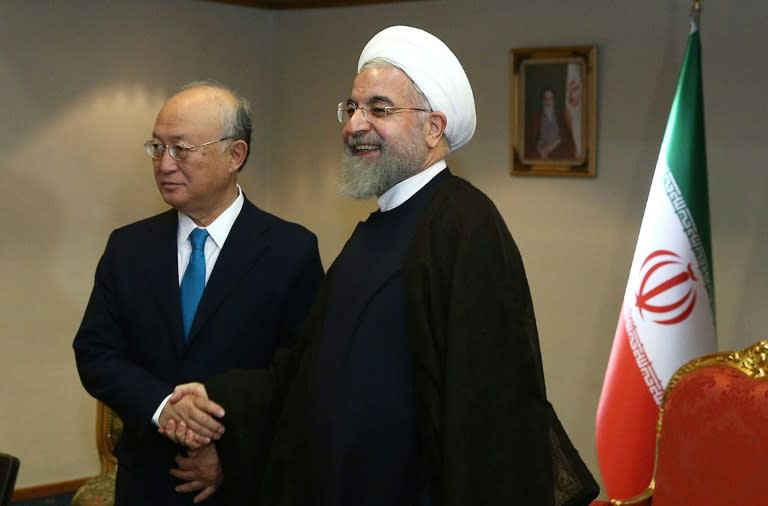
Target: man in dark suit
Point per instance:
(167, 308)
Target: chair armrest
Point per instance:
(642, 499)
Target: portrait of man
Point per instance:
(549, 135)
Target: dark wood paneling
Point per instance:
(40, 491)
(305, 4)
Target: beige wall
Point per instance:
(82, 81)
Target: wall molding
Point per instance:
(49, 489)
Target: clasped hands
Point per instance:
(190, 418)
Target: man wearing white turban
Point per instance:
(418, 380)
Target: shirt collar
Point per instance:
(219, 229)
(407, 188)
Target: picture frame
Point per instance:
(554, 111)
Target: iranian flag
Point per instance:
(667, 316)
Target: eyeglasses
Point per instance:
(155, 148)
(345, 111)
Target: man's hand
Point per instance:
(188, 416)
(545, 149)
(179, 433)
(197, 389)
(201, 469)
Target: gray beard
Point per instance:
(361, 178)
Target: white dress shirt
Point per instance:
(218, 231)
(407, 188)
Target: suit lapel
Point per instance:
(245, 244)
(163, 272)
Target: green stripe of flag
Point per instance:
(684, 141)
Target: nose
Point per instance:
(358, 122)
(166, 163)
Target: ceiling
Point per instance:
(305, 4)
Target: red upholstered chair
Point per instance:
(712, 434)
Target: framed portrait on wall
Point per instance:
(554, 111)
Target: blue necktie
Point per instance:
(193, 282)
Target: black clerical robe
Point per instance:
(365, 446)
(488, 434)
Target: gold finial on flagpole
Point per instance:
(695, 14)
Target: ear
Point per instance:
(237, 152)
(436, 128)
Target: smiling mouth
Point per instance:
(363, 149)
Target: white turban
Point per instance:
(435, 70)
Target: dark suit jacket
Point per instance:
(489, 434)
(130, 348)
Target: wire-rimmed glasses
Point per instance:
(346, 109)
(178, 152)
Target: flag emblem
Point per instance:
(667, 288)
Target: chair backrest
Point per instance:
(9, 468)
(712, 433)
(100, 489)
(109, 428)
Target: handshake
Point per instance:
(190, 418)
